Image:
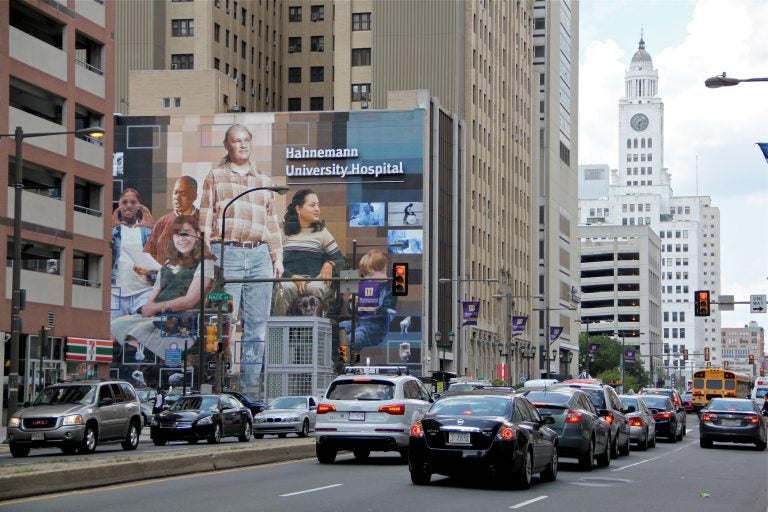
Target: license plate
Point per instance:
(38, 436)
(458, 437)
(357, 416)
(732, 422)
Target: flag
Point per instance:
(629, 356)
(518, 324)
(554, 332)
(764, 148)
(89, 350)
(471, 308)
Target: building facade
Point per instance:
(738, 344)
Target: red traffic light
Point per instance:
(701, 303)
(400, 279)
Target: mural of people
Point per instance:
(176, 289)
(309, 250)
(252, 244)
(131, 277)
(184, 196)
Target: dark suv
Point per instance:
(677, 401)
(609, 406)
(76, 416)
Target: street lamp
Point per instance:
(727, 81)
(17, 292)
(528, 353)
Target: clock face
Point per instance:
(639, 122)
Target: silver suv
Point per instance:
(369, 409)
(76, 416)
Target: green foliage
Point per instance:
(606, 362)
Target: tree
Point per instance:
(605, 363)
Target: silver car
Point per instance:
(286, 415)
(642, 426)
(77, 416)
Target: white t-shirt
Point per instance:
(130, 282)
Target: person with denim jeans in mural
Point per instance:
(252, 243)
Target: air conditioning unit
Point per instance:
(267, 100)
(227, 10)
(315, 16)
(174, 66)
(291, 49)
(253, 92)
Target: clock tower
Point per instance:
(641, 125)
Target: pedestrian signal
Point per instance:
(343, 353)
(706, 353)
(210, 338)
(685, 354)
(400, 279)
(701, 299)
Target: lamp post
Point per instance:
(528, 353)
(17, 293)
(715, 82)
(438, 338)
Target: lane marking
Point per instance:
(534, 500)
(310, 490)
(652, 458)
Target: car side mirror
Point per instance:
(26, 404)
(105, 401)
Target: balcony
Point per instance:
(90, 151)
(36, 53)
(38, 209)
(87, 295)
(42, 288)
(33, 123)
(89, 78)
(88, 222)
(93, 10)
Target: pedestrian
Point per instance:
(765, 406)
(159, 401)
(252, 243)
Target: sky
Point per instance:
(709, 134)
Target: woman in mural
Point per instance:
(375, 303)
(131, 281)
(309, 250)
(177, 289)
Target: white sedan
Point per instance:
(286, 415)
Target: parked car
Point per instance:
(369, 412)
(642, 426)
(732, 420)
(501, 435)
(687, 399)
(666, 416)
(147, 403)
(677, 401)
(192, 418)
(254, 404)
(77, 416)
(582, 433)
(286, 415)
(609, 406)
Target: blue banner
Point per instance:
(471, 309)
(764, 148)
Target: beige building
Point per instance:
(739, 343)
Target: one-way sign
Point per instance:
(212, 365)
(757, 303)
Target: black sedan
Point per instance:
(254, 404)
(501, 435)
(666, 416)
(195, 417)
(583, 433)
(732, 420)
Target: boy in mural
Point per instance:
(252, 243)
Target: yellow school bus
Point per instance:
(718, 383)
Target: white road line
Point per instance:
(310, 490)
(652, 458)
(534, 500)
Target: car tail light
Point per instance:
(753, 419)
(573, 416)
(417, 430)
(324, 408)
(708, 416)
(506, 433)
(609, 418)
(677, 402)
(730, 393)
(663, 416)
(394, 409)
(635, 422)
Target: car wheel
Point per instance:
(160, 441)
(550, 474)
(215, 437)
(682, 433)
(523, 478)
(304, 429)
(131, 441)
(258, 436)
(705, 443)
(324, 454)
(18, 450)
(403, 454)
(587, 460)
(68, 449)
(760, 445)
(419, 473)
(90, 436)
(246, 435)
(604, 459)
(624, 450)
(281, 436)
(192, 441)
(643, 446)
(615, 448)
(652, 444)
(361, 455)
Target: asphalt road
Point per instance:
(676, 477)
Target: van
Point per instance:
(538, 384)
(760, 390)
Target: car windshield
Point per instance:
(143, 394)
(288, 402)
(655, 402)
(361, 390)
(243, 397)
(543, 397)
(627, 402)
(471, 406)
(761, 392)
(596, 397)
(203, 403)
(723, 404)
(56, 395)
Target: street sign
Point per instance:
(219, 297)
(757, 303)
(212, 365)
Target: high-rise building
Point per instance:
(738, 343)
(56, 70)
(640, 193)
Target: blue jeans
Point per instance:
(127, 305)
(255, 299)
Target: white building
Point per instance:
(639, 192)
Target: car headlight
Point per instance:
(257, 419)
(73, 419)
(205, 421)
(291, 419)
(14, 422)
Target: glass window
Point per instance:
(361, 21)
(317, 73)
(316, 103)
(317, 43)
(294, 75)
(361, 92)
(294, 45)
(317, 12)
(185, 28)
(294, 14)
(182, 61)
(361, 57)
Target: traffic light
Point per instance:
(751, 359)
(211, 337)
(701, 299)
(725, 365)
(685, 355)
(400, 279)
(343, 353)
(706, 353)
(762, 372)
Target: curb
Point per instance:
(110, 473)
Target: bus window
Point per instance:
(714, 384)
(730, 384)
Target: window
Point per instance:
(538, 23)
(317, 43)
(361, 57)
(216, 32)
(183, 28)
(317, 12)
(538, 51)
(166, 102)
(226, 39)
(177, 102)
(294, 14)
(294, 45)
(361, 92)
(316, 103)
(317, 74)
(294, 104)
(361, 21)
(294, 75)
(182, 61)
